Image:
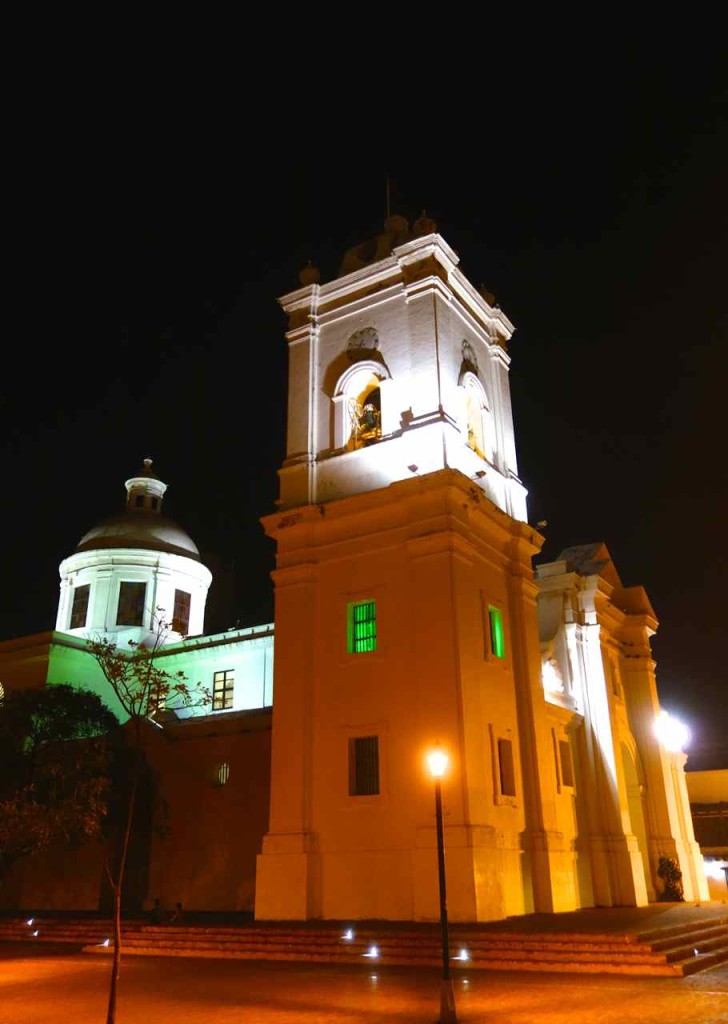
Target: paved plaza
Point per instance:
(50, 985)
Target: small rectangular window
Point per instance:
(567, 767)
(614, 676)
(497, 635)
(362, 627)
(364, 766)
(505, 767)
(181, 614)
(223, 685)
(131, 604)
(80, 606)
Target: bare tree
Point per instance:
(143, 690)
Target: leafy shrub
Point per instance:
(671, 875)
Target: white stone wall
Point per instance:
(105, 569)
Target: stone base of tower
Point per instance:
(483, 872)
(551, 874)
(282, 879)
(618, 870)
(484, 880)
(345, 885)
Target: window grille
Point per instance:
(364, 766)
(362, 627)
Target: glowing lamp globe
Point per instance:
(671, 732)
(437, 762)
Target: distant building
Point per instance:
(408, 613)
(708, 792)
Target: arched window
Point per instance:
(358, 406)
(479, 427)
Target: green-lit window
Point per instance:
(497, 635)
(79, 610)
(364, 766)
(362, 627)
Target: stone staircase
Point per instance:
(675, 951)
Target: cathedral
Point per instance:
(410, 615)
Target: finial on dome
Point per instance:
(310, 274)
(147, 470)
(424, 225)
(144, 491)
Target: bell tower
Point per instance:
(397, 367)
(405, 605)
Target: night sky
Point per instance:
(143, 321)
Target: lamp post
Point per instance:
(437, 761)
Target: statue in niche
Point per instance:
(366, 420)
(551, 675)
(470, 360)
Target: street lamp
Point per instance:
(671, 732)
(437, 761)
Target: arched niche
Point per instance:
(478, 424)
(362, 405)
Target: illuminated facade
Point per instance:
(407, 614)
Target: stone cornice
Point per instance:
(315, 300)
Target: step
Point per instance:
(666, 952)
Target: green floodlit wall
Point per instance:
(249, 659)
(78, 668)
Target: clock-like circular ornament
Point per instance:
(365, 339)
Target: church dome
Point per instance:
(136, 576)
(142, 525)
(140, 530)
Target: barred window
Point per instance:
(223, 685)
(362, 627)
(79, 610)
(364, 766)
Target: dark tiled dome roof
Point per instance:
(140, 529)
